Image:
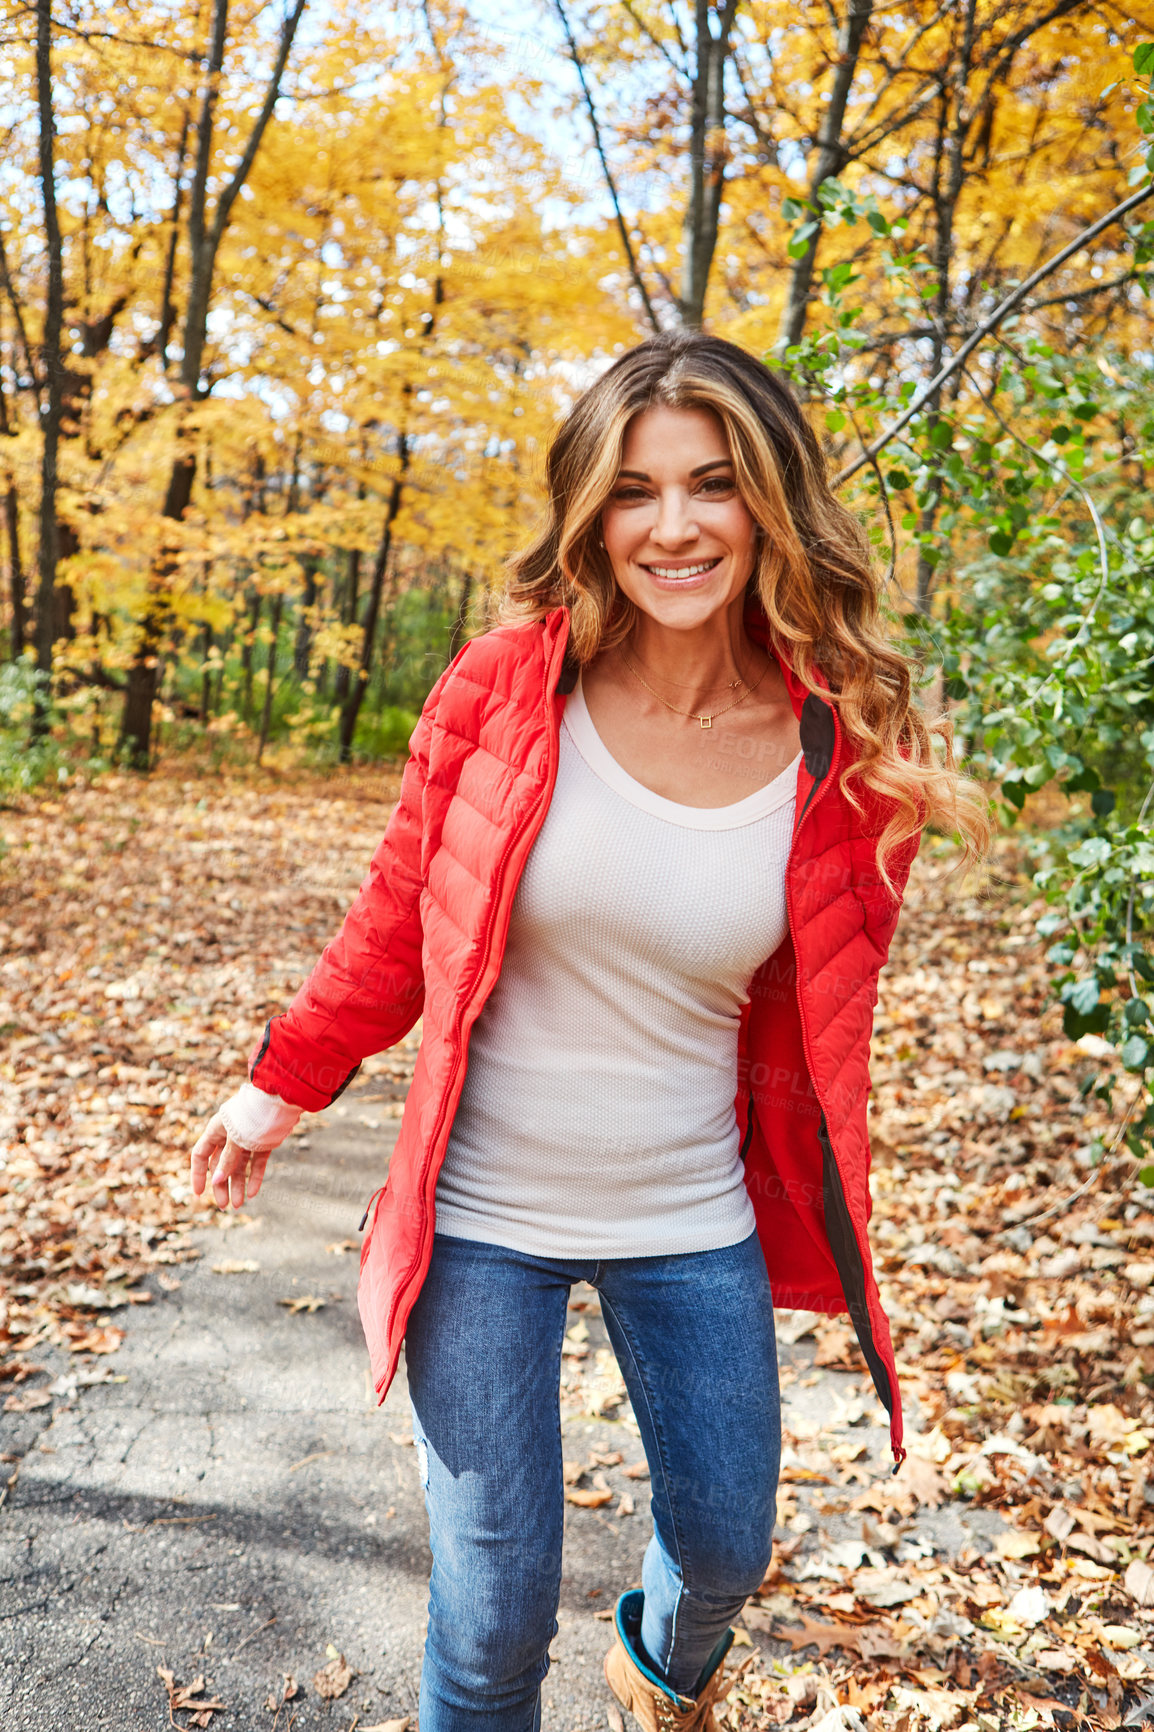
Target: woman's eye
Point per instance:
(629, 495)
(717, 484)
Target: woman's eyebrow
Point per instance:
(702, 469)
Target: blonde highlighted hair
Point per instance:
(813, 573)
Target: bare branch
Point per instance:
(607, 172)
(1013, 300)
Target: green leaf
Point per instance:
(1135, 1052)
(878, 223)
(1137, 1012)
(790, 209)
(1082, 995)
(1084, 411)
(1084, 782)
(1144, 57)
(1015, 793)
(941, 436)
(1094, 851)
(1075, 1024)
(835, 420)
(1103, 802)
(1146, 1177)
(1000, 542)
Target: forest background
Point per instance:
(292, 294)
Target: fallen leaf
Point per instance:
(842, 1718)
(1016, 1544)
(1139, 1582)
(586, 1497)
(626, 1506)
(29, 1401)
(1028, 1606)
(341, 1246)
(98, 1341)
(308, 1302)
(836, 1346)
(1121, 1636)
(812, 1634)
(190, 1697)
(636, 1470)
(333, 1679)
(237, 1266)
(401, 1725)
(1060, 1522)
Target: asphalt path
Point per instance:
(235, 1506)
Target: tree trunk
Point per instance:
(53, 370)
(204, 238)
(831, 158)
(349, 614)
(17, 635)
(248, 651)
(947, 187)
(707, 157)
(303, 648)
(167, 308)
(206, 678)
(266, 713)
(359, 683)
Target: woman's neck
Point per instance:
(695, 665)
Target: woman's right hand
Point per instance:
(236, 1143)
(237, 1173)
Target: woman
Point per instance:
(642, 876)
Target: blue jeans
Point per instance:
(694, 1338)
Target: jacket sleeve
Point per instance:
(367, 990)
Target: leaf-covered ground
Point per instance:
(147, 930)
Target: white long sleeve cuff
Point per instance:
(257, 1120)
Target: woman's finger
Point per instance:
(204, 1151)
(256, 1171)
(233, 1162)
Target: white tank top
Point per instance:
(597, 1116)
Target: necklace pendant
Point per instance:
(706, 721)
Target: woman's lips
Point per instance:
(686, 575)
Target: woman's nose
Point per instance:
(674, 525)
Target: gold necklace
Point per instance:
(705, 721)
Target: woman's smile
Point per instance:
(681, 574)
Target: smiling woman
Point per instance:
(642, 877)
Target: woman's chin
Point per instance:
(682, 605)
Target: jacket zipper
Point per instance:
(531, 827)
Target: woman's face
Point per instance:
(679, 536)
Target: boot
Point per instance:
(655, 1706)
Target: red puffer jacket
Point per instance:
(427, 934)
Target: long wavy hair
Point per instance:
(813, 574)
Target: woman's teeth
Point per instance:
(681, 570)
